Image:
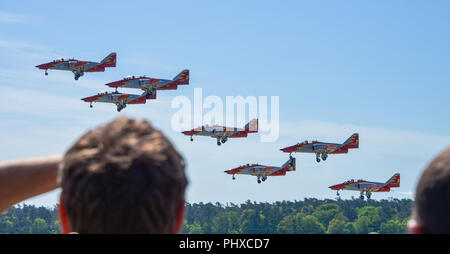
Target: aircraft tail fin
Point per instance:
(394, 181)
(110, 60)
(290, 164)
(352, 141)
(182, 78)
(252, 126)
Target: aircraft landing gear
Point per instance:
(264, 178)
(120, 107)
(78, 75)
(259, 179)
(218, 141)
(234, 178)
(368, 195)
(46, 73)
(192, 139)
(148, 93)
(324, 156)
(361, 196)
(224, 139)
(90, 105)
(318, 157)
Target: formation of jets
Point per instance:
(321, 149)
(150, 86)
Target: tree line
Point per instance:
(29, 219)
(310, 216)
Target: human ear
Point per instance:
(179, 218)
(63, 217)
(414, 227)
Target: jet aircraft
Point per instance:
(261, 171)
(323, 149)
(79, 67)
(120, 99)
(222, 133)
(151, 85)
(368, 187)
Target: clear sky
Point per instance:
(379, 68)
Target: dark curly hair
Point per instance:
(432, 202)
(123, 177)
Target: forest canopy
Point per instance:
(310, 216)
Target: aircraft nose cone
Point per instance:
(113, 84)
(336, 187)
(230, 171)
(287, 149)
(89, 99)
(43, 66)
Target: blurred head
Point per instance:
(123, 177)
(432, 202)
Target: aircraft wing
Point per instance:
(374, 187)
(279, 172)
(341, 149)
(322, 147)
(221, 131)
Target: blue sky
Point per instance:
(380, 68)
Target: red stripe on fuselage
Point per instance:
(91, 98)
(139, 100)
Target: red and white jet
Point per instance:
(261, 171)
(79, 67)
(151, 85)
(222, 133)
(368, 187)
(120, 99)
(323, 149)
